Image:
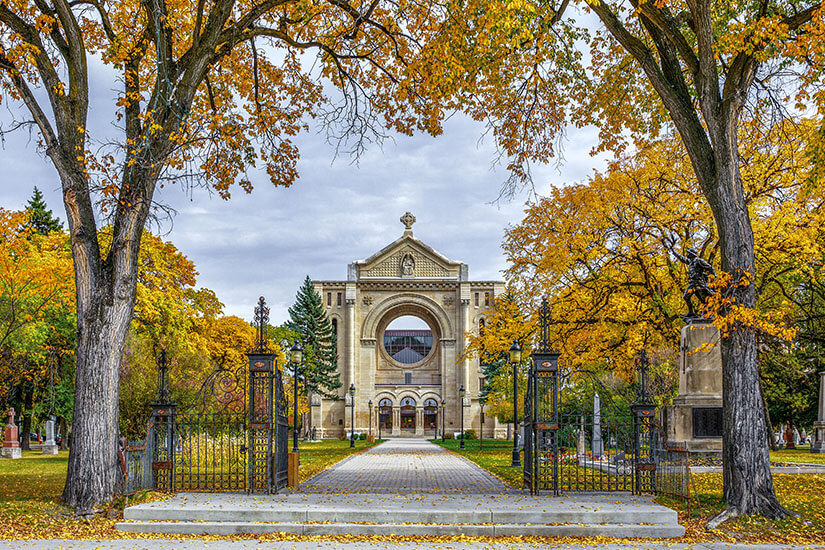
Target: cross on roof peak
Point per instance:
(408, 220)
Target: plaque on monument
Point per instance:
(707, 422)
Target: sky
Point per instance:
(266, 243)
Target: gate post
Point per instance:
(543, 403)
(644, 467)
(261, 372)
(161, 437)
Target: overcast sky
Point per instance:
(267, 242)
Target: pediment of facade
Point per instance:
(408, 258)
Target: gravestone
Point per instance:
(788, 437)
(598, 444)
(50, 447)
(581, 441)
(11, 446)
(695, 418)
(818, 436)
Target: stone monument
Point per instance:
(818, 435)
(597, 446)
(11, 446)
(50, 447)
(695, 418)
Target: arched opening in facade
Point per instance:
(408, 339)
(385, 414)
(408, 414)
(430, 415)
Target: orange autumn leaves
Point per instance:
(600, 250)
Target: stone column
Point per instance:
(50, 447)
(818, 445)
(11, 446)
(349, 314)
(396, 421)
(419, 420)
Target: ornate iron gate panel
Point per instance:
(578, 450)
(236, 440)
(210, 452)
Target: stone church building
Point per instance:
(406, 373)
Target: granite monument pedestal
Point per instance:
(695, 418)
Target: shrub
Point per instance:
(362, 436)
(448, 436)
(469, 434)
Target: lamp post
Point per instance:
(295, 356)
(515, 359)
(352, 427)
(370, 406)
(442, 420)
(461, 393)
(482, 401)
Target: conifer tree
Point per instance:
(41, 218)
(320, 365)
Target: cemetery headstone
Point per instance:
(50, 446)
(818, 437)
(598, 444)
(11, 444)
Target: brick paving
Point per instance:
(405, 466)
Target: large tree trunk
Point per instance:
(94, 471)
(748, 484)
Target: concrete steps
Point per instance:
(614, 515)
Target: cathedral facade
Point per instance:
(407, 381)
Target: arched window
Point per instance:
(430, 414)
(385, 413)
(408, 413)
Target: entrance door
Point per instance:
(408, 414)
(385, 414)
(430, 415)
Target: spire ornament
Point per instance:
(408, 220)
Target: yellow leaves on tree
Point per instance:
(601, 250)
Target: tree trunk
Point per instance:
(748, 484)
(768, 424)
(94, 471)
(64, 433)
(26, 428)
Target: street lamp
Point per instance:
(296, 354)
(515, 359)
(481, 401)
(352, 427)
(461, 393)
(370, 406)
(442, 420)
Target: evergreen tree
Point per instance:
(310, 321)
(42, 219)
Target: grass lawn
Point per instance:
(800, 454)
(801, 493)
(30, 504)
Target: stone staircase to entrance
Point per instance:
(612, 515)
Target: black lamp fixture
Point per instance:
(370, 406)
(515, 359)
(296, 353)
(352, 426)
(442, 419)
(461, 393)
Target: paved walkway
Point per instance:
(405, 466)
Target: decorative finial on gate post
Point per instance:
(408, 220)
(642, 368)
(163, 368)
(261, 319)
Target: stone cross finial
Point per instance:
(11, 416)
(408, 220)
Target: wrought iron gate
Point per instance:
(574, 450)
(234, 438)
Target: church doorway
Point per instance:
(408, 414)
(431, 416)
(385, 414)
